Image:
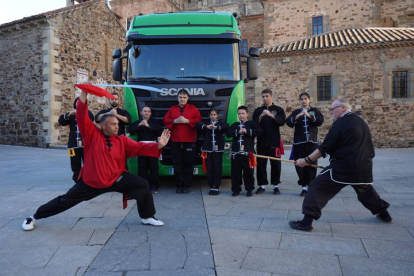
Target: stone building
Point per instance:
(42, 57)
(339, 49)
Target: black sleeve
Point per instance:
(154, 125)
(63, 120)
(280, 118)
(223, 127)
(133, 128)
(256, 115)
(290, 121)
(253, 130)
(331, 141)
(318, 119)
(200, 125)
(233, 131)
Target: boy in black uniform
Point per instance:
(213, 147)
(306, 121)
(75, 146)
(350, 148)
(148, 130)
(243, 133)
(270, 117)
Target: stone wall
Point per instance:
(131, 8)
(399, 13)
(289, 20)
(363, 77)
(83, 39)
(21, 84)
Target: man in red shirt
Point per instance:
(181, 120)
(104, 168)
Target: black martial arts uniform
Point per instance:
(74, 142)
(121, 112)
(305, 140)
(145, 163)
(268, 143)
(349, 145)
(242, 143)
(213, 147)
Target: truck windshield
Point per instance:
(176, 62)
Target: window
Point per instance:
(317, 25)
(324, 88)
(399, 84)
(244, 47)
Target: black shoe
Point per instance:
(297, 225)
(211, 192)
(249, 194)
(216, 192)
(260, 190)
(303, 193)
(186, 190)
(179, 191)
(234, 194)
(276, 191)
(385, 216)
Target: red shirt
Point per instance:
(104, 164)
(182, 132)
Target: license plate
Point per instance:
(171, 171)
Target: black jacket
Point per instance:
(75, 138)
(350, 148)
(145, 133)
(213, 138)
(306, 129)
(270, 127)
(121, 112)
(243, 142)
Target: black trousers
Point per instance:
(305, 174)
(214, 163)
(323, 189)
(133, 185)
(183, 155)
(146, 163)
(76, 163)
(240, 169)
(275, 167)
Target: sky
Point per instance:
(11, 10)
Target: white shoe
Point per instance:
(28, 224)
(152, 221)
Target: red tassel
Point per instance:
(252, 160)
(204, 156)
(282, 148)
(125, 199)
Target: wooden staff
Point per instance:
(285, 160)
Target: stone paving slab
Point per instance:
(75, 256)
(291, 262)
(380, 232)
(229, 255)
(227, 271)
(277, 225)
(234, 222)
(357, 266)
(321, 244)
(246, 238)
(392, 250)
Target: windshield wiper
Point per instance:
(154, 79)
(199, 77)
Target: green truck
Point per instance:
(197, 51)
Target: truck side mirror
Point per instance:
(117, 70)
(254, 52)
(252, 69)
(116, 53)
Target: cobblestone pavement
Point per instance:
(203, 235)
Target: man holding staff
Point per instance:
(104, 168)
(349, 145)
